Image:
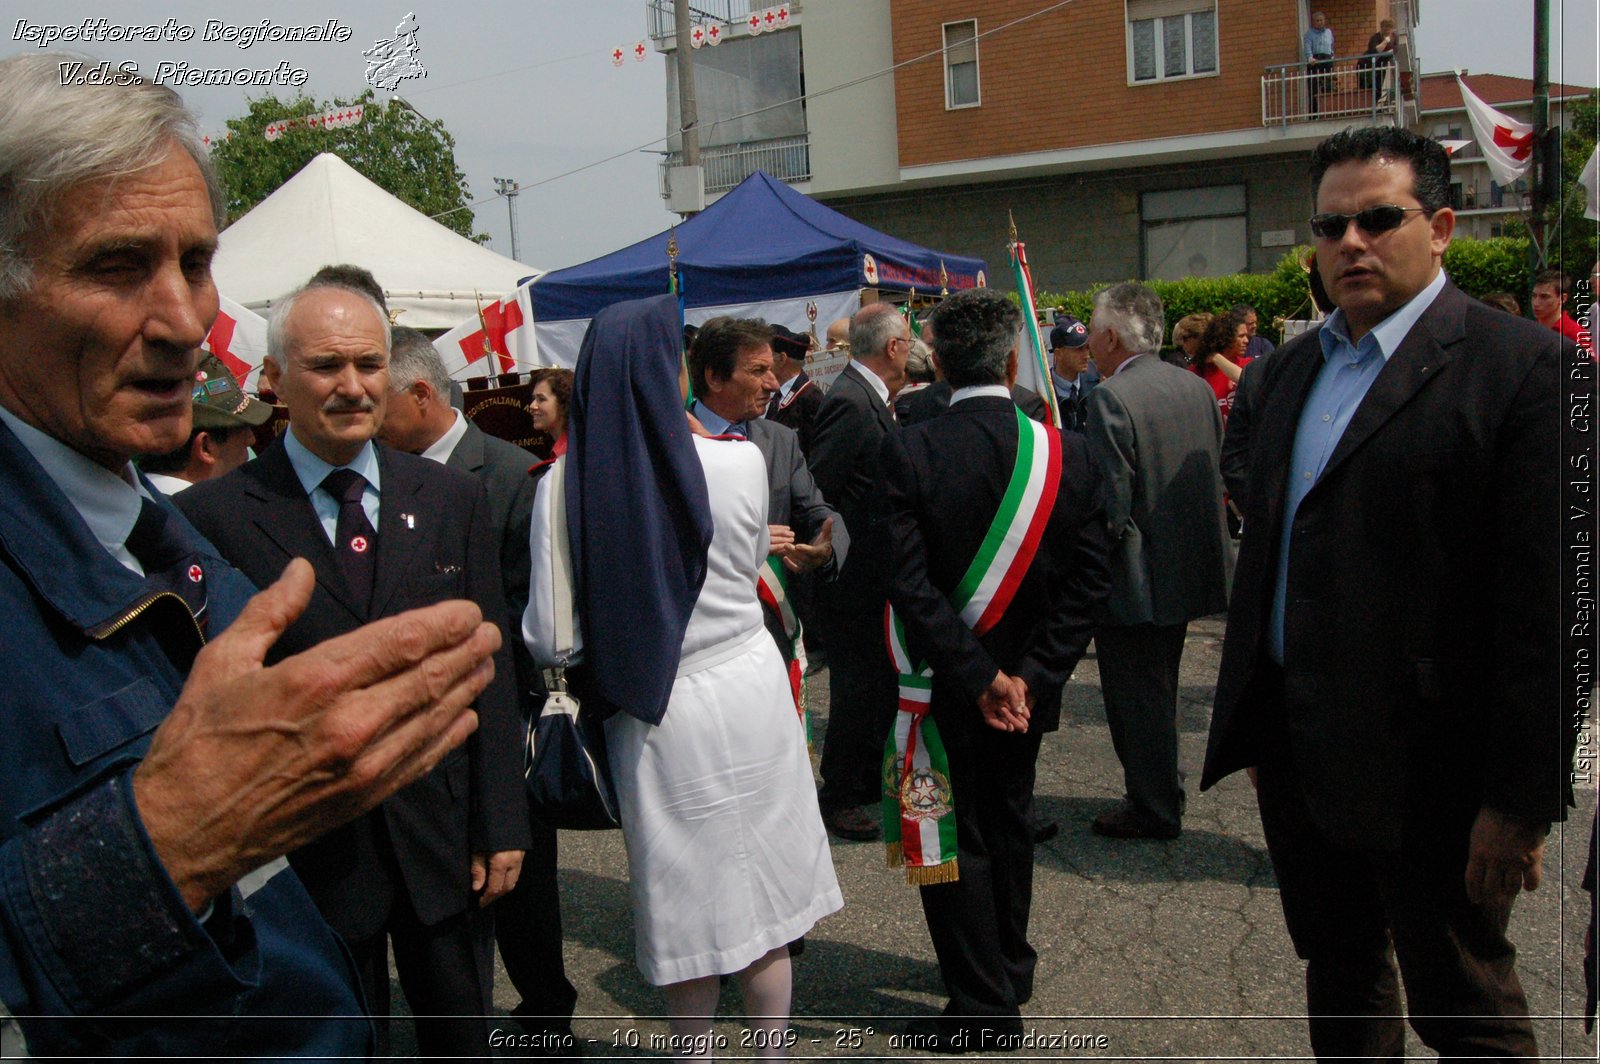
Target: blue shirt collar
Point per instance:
(1387, 335)
(714, 422)
(311, 470)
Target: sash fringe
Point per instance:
(896, 856)
(929, 876)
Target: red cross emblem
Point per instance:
(697, 37)
(359, 544)
(783, 15)
(1519, 147)
(616, 57)
(714, 35)
(501, 318)
(869, 269)
(754, 23)
(770, 18)
(639, 52)
(196, 574)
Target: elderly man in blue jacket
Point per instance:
(156, 771)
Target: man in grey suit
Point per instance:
(730, 364)
(1155, 433)
(420, 419)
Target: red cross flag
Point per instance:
(1507, 143)
(239, 338)
(714, 35)
(616, 57)
(639, 52)
(754, 22)
(769, 19)
(783, 15)
(697, 37)
(504, 331)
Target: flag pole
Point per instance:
(1030, 319)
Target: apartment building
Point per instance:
(1128, 138)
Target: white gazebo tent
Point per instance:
(328, 213)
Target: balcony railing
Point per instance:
(1346, 89)
(730, 12)
(785, 158)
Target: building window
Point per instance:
(1194, 232)
(960, 64)
(1171, 39)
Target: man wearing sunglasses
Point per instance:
(1390, 673)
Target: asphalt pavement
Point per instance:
(1147, 950)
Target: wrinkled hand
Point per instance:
(495, 874)
(1005, 704)
(254, 762)
(804, 557)
(780, 540)
(1505, 854)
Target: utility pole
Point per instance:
(508, 188)
(688, 112)
(1543, 156)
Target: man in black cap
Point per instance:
(1071, 376)
(795, 402)
(224, 422)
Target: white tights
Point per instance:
(766, 985)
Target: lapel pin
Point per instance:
(411, 522)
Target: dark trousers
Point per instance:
(1320, 81)
(979, 923)
(442, 971)
(862, 702)
(1139, 681)
(527, 924)
(1352, 912)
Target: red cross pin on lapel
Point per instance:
(196, 574)
(411, 522)
(359, 544)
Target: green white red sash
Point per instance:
(919, 823)
(772, 587)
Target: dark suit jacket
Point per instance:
(1422, 648)
(940, 487)
(1075, 416)
(799, 410)
(503, 469)
(1236, 433)
(928, 403)
(851, 423)
(259, 518)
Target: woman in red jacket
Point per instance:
(1220, 360)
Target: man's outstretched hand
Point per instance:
(254, 761)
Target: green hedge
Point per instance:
(1476, 266)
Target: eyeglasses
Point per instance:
(1372, 220)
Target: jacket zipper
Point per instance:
(110, 628)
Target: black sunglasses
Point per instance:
(1372, 220)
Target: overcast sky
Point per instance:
(529, 91)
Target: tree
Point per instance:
(396, 148)
(1571, 237)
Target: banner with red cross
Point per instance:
(500, 342)
(239, 338)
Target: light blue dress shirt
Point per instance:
(715, 423)
(1348, 371)
(1319, 42)
(311, 470)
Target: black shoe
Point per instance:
(1044, 830)
(798, 946)
(852, 823)
(1121, 822)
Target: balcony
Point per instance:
(727, 12)
(1338, 90)
(785, 158)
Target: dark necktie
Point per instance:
(354, 539)
(170, 562)
(774, 404)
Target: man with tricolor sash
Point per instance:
(995, 538)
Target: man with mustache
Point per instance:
(1391, 672)
(386, 532)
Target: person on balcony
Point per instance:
(1318, 56)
